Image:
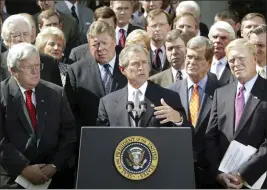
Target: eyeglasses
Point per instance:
(21, 35)
(29, 69)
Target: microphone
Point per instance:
(143, 108)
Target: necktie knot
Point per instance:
(73, 8)
(179, 76)
(106, 66)
(122, 31)
(157, 51)
(28, 93)
(195, 86)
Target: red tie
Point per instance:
(31, 109)
(122, 38)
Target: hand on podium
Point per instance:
(167, 113)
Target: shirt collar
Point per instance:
(23, 90)
(222, 60)
(125, 28)
(153, 48)
(142, 88)
(69, 4)
(174, 71)
(111, 63)
(248, 85)
(258, 68)
(202, 83)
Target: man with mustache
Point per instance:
(221, 33)
(175, 50)
(158, 24)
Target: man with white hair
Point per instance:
(193, 8)
(37, 130)
(17, 29)
(221, 34)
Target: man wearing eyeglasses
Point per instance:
(37, 129)
(158, 25)
(17, 29)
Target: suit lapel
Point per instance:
(121, 102)
(229, 103)
(150, 100)
(130, 29)
(252, 102)
(226, 75)
(95, 73)
(117, 75)
(42, 103)
(168, 79)
(206, 103)
(18, 101)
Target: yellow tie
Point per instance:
(194, 105)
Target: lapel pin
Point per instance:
(42, 101)
(211, 96)
(152, 105)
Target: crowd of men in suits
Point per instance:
(67, 67)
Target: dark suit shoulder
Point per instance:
(51, 85)
(81, 64)
(114, 95)
(159, 90)
(133, 27)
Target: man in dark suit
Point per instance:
(89, 80)
(200, 84)
(221, 33)
(158, 25)
(37, 130)
(79, 12)
(82, 52)
(239, 113)
(123, 11)
(163, 106)
(175, 50)
(13, 28)
(69, 25)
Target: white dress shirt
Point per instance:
(23, 90)
(162, 54)
(69, 4)
(248, 86)
(131, 92)
(174, 72)
(111, 68)
(118, 34)
(220, 66)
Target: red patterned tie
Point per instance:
(122, 38)
(31, 109)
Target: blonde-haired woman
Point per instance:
(139, 37)
(51, 41)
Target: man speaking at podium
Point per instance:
(141, 103)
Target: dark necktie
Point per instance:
(31, 109)
(239, 104)
(74, 14)
(122, 38)
(107, 81)
(157, 61)
(179, 76)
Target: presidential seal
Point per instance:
(136, 158)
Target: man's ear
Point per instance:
(60, 26)
(40, 27)
(121, 69)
